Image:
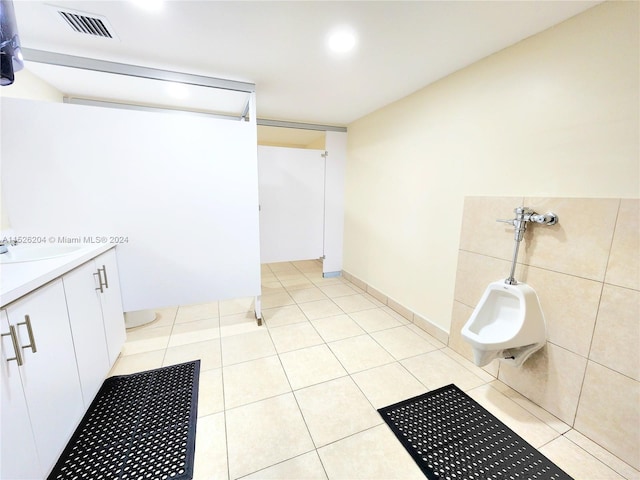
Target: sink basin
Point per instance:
(30, 253)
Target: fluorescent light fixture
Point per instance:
(342, 40)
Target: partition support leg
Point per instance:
(258, 310)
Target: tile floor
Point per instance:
(297, 397)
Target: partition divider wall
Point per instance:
(178, 193)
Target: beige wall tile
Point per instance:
(405, 312)
(551, 378)
(381, 297)
(521, 421)
(579, 244)
(474, 273)
(459, 316)
(576, 462)
(481, 233)
(615, 340)
(608, 412)
(570, 306)
(624, 261)
(605, 456)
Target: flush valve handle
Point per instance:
(548, 218)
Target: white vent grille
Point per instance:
(87, 23)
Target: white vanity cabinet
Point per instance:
(48, 376)
(111, 302)
(59, 339)
(18, 454)
(97, 322)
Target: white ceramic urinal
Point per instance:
(507, 324)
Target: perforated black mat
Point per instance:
(139, 426)
(451, 436)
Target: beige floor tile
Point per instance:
(539, 412)
(303, 467)
(239, 323)
(307, 295)
(335, 409)
(360, 353)
(469, 365)
(296, 283)
(139, 362)
(402, 342)
(245, 347)
(354, 303)
(320, 309)
(140, 340)
(529, 427)
(210, 460)
(254, 380)
(435, 370)
(279, 299)
(426, 335)
(201, 311)
(264, 433)
(323, 282)
(207, 352)
(354, 458)
(337, 327)
(279, 316)
(399, 317)
(294, 337)
(388, 384)
(210, 398)
(194, 331)
(236, 305)
(606, 457)
(374, 320)
(280, 267)
(338, 290)
(272, 287)
(164, 317)
(576, 462)
(310, 366)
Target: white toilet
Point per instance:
(507, 324)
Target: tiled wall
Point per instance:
(586, 271)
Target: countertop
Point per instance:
(18, 279)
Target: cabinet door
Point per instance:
(49, 374)
(112, 304)
(87, 328)
(18, 455)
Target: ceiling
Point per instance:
(280, 46)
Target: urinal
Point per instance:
(507, 324)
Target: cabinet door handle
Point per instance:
(104, 272)
(32, 340)
(16, 346)
(99, 287)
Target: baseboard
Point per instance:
(420, 321)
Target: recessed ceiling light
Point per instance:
(149, 5)
(342, 40)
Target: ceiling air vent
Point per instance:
(87, 23)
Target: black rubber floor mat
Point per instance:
(139, 426)
(451, 436)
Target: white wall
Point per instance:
(28, 85)
(182, 190)
(554, 115)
